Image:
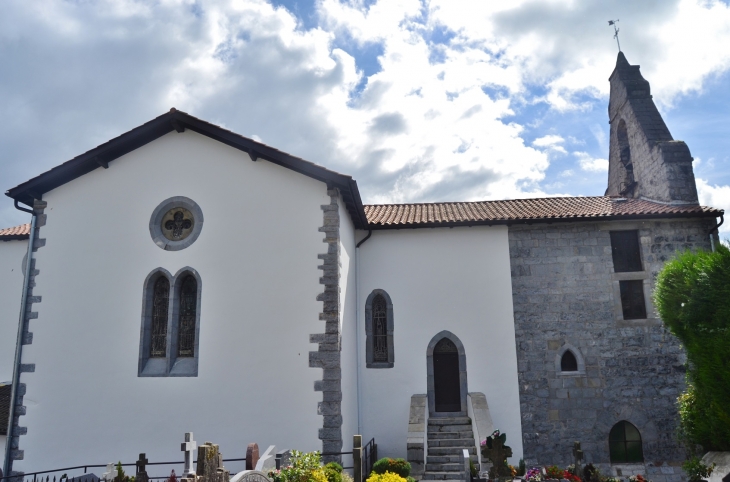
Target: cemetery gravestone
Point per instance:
(210, 464)
(578, 457)
(188, 446)
(497, 452)
(252, 456)
(141, 475)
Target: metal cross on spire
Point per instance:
(615, 30)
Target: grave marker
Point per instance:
(578, 457)
(188, 446)
(252, 456)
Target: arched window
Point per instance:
(188, 310)
(624, 442)
(568, 362)
(379, 330)
(170, 324)
(160, 304)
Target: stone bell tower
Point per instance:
(644, 160)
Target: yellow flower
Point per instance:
(386, 477)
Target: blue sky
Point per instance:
(419, 100)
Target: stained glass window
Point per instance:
(380, 329)
(160, 303)
(188, 310)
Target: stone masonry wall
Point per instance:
(565, 294)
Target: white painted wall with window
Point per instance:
(441, 279)
(257, 257)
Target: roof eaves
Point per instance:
(101, 155)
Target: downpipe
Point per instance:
(358, 366)
(19, 343)
(715, 230)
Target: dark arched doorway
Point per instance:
(447, 388)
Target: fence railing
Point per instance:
(85, 477)
(369, 454)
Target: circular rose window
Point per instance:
(176, 223)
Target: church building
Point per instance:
(181, 277)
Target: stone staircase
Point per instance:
(447, 438)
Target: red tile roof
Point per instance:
(18, 232)
(523, 210)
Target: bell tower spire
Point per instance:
(644, 160)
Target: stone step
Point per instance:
(447, 435)
(442, 476)
(458, 442)
(449, 421)
(449, 459)
(444, 467)
(449, 428)
(438, 451)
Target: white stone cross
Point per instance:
(110, 473)
(188, 446)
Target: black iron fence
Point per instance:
(369, 456)
(60, 475)
(66, 474)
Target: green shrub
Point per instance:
(696, 470)
(333, 472)
(693, 299)
(395, 466)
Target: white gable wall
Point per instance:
(441, 279)
(257, 258)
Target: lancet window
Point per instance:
(170, 324)
(379, 351)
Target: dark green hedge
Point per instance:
(693, 298)
(396, 466)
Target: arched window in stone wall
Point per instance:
(627, 182)
(568, 362)
(624, 443)
(379, 350)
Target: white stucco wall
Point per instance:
(347, 317)
(257, 257)
(441, 279)
(11, 287)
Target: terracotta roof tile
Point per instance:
(516, 210)
(17, 232)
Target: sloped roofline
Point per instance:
(176, 120)
(518, 211)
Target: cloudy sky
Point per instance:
(418, 100)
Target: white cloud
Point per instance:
(435, 123)
(716, 197)
(590, 163)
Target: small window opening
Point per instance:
(627, 183)
(624, 443)
(568, 363)
(626, 251)
(632, 299)
(160, 302)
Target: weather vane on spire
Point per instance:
(615, 29)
